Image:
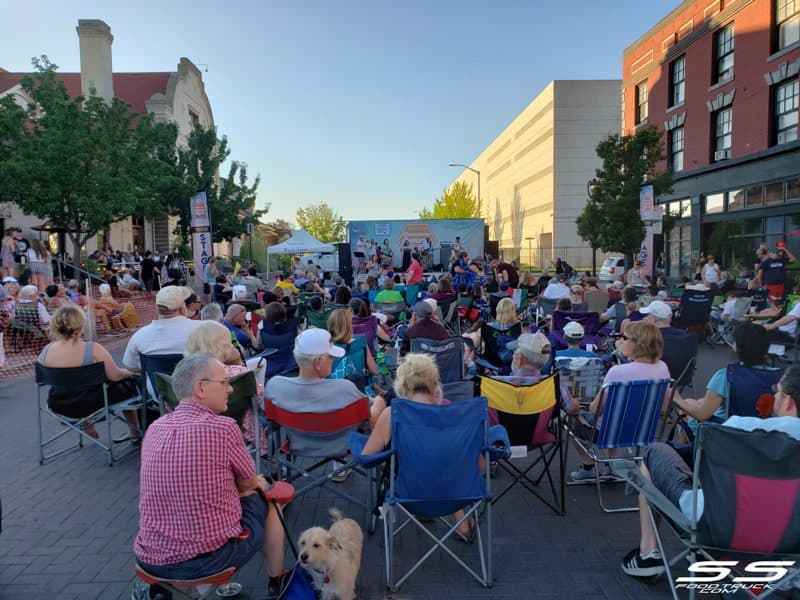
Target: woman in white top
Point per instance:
(637, 276)
(38, 255)
(711, 271)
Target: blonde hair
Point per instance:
(507, 312)
(340, 326)
(213, 338)
(646, 341)
(417, 374)
(66, 322)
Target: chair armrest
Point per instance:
(634, 478)
(356, 442)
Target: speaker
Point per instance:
(444, 253)
(493, 248)
(345, 262)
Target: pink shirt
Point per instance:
(414, 273)
(636, 371)
(188, 500)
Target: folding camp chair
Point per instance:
(495, 357)
(367, 327)
(630, 415)
(583, 377)
(449, 356)
(438, 449)
(87, 379)
(746, 385)
(353, 365)
(589, 320)
(544, 308)
(318, 319)
(694, 309)
(244, 397)
(722, 331)
(303, 299)
(680, 350)
(322, 438)
(411, 294)
(750, 484)
(596, 301)
(151, 364)
(280, 337)
(530, 414)
(393, 309)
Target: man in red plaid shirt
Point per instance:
(200, 508)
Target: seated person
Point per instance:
(310, 391)
(236, 321)
(128, 281)
(423, 325)
(340, 326)
(211, 312)
(198, 490)
(784, 330)
(223, 290)
(557, 288)
(615, 292)
(286, 283)
(74, 294)
(29, 307)
(573, 335)
(389, 295)
(360, 309)
(722, 315)
(531, 355)
(313, 287)
(618, 312)
(251, 283)
(505, 320)
(641, 343)
(115, 315)
(672, 476)
(56, 297)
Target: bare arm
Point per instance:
(784, 320)
(701, 409)
(381, 434)
(371, 366)
(113, 372)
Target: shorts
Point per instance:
(668, 471)
(234, 553)
(38, 268)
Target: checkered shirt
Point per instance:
(188, 501)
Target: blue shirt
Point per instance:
(241, 336)
(575, 353)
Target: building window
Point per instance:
(676, 149)
(735, 200)
(686, 208)
(641, 102)
(793, 189)
(754, 197)
(715, 203)
(723, 54)
(787, 20)
(722, 133)
(785, 110)
(677, 81)
(773, 193)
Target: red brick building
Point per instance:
(721, 79)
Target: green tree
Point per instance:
(728, 242)
(610, 221)
(457, 202)
(80, 163)
(321, 221)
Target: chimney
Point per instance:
(95, 43)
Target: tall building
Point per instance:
(721, 79)
(177, 96)
(534, 174)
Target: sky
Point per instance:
(360, 104)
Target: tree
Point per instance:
(80, 163)
(610, 221)
(321, 221)
(457, 202)
(728, 242)
(274, 232)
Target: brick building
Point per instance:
(721, 79)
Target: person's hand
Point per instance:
(261, 483)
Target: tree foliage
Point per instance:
(728, 242)
(80, 163)
(610, 221)
(457, 202)
(321, 221)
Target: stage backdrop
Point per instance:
(441, 231)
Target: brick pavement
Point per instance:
(68, 528)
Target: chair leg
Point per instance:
(603, 507)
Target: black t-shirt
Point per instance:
(513, 276)
(147, 266)
(774, 270)
(424, 328)
(22, 249)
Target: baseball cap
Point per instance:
(781, 244)
(530, 344)
(423, 310)
(574, 330)
(657, 308)
(171, 297)
(617, 285)
(10, 279)
(315, 342)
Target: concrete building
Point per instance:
(721, 78)
(177, 96)
(534, 174)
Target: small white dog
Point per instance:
(332, 557)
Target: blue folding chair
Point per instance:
(438, 448)
(412, 292)
(279, 337)
(629, 420)
(150, 365)
(746, 385)
(449, 357)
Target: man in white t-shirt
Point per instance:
(672, 476)
(167, 334)
(711, 272)
(556, 288)
(784, 330)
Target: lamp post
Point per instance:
(591, 189)
(478, 173)
(530, 253)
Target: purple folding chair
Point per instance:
(366, 326)
(589, 320)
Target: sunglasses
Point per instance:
(625, 337)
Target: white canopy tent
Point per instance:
(301, 242)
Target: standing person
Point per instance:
(711, 271)
(458, 248)
(636, 275)
(147, 271)
(38, 256)
(387, 249)
(772, 270)
(414, 271)
(210, 273)
(507, 272)
(360, 254)
(406, 255)
(8, 264)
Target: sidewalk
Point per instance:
(68, 529)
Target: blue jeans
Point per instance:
(234, 553)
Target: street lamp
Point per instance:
(478, 173)
(591, 190)
(530, 252)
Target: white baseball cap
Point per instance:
(574, 330)
(315, 342)
(657, 308)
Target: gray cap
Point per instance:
(423, 310)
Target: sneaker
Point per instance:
(140, 591)
(582, 474)
(278, 586)
(342, 476)
(636, 565)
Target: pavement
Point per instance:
(69, 525)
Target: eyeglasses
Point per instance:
(775, 389)
(626, 338)
(222, 381)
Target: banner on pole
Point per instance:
(646, 250)
(200, 225)
(646, 203)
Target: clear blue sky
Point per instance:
(361, 104)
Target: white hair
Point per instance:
(104, 288)
(28, 291)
